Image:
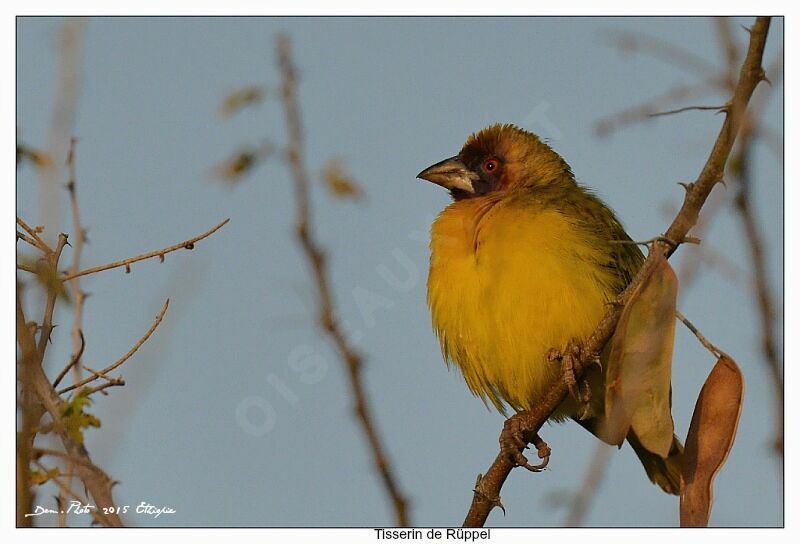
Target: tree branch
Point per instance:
(186, 244)
(751, 74)
(121, 360)
(316, 261)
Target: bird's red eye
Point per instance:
(490, 165)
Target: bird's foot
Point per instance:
(579, 389)
(567, 362)
(585, 398)
(514, 440)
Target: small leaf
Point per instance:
(710, 438)
(240, 98)
(38, 477)
(74, 419)
(48, 278)
(339, 183)
(241, 163)
(638, 381)
(38, 158)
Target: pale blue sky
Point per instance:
(389, 96)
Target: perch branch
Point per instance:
(751, 74)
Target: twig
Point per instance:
(121, 360)
(113, 382)
(62, 116)
(79, 239)
(750, 129)
(39, 452)
(35, 381)
(38, 242)
(668, 52)
(751, 74)
(66, 491)
(686, 240)
(763, 297)
(643, 111)
(686, 108)
(31, 414)
(72, 361)
(27, 268)
(25, 238)
(316, 260)
(703, 340)
(591, 483)
(52, 295)
(187, 244)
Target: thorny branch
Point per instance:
(40, 396)
(113, 366)
(316, 260)
(34, 381)
(751, 74)
(740, 168)
(186, 244)
(78, 340)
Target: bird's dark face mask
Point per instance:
(465, 178)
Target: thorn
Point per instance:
(747, 29)
(161, 257)
(127, 269)
(686, 185)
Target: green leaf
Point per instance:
(38, 477)
(639, 373)
(710, 438)
(75, 419)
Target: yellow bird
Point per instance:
(525, 261)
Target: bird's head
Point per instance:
(499, 158)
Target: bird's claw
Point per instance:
(513, 443)
(585, 398)
(568, 367)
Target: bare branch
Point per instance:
(79, 238)
(186, 244)
(703, 340)
(663, 50)
(316, 261)
(65, 490)
(763, 297)
(121, 360)
(35, 382)
(644, 111)
(37, 240)
(751, 74)
(52, 295)
(62, 116)
(687, 108)
(591, 484)
(72, 361)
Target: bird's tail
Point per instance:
(666, 473)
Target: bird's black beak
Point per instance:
(451, 174)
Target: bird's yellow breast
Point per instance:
(511, 278)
